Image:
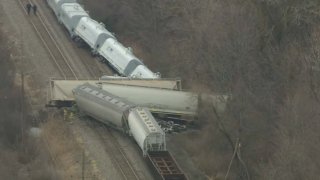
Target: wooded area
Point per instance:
(263, 52)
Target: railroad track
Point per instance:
(91, 66)
(60, 61)
(44, 8)
(112, 146)
(118, 157)
(49, 42)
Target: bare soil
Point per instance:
(22, 155)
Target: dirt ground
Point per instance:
(22, 155)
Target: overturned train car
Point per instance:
(133, 120)
(123, 115)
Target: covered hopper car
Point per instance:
(123, 115)
(133, 120)
(82, 28)
(70, 15)
(55, 5)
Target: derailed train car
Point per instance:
(122, 115)
(133, 120)
(55, 5)
(92, 32)
(70, 15)
(124, 61)
(102, 42)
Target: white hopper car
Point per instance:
(157, 100)
(121, 114)
(92, 32)
(70, 15)
(101, 41)
(55, 5)
(124, 61)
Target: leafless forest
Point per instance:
(21, 155)
(263, 52)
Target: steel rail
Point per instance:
(66, 71)
(54, 160)
(119, 157)
(122, 153)
(41, 17)
(45, 21)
